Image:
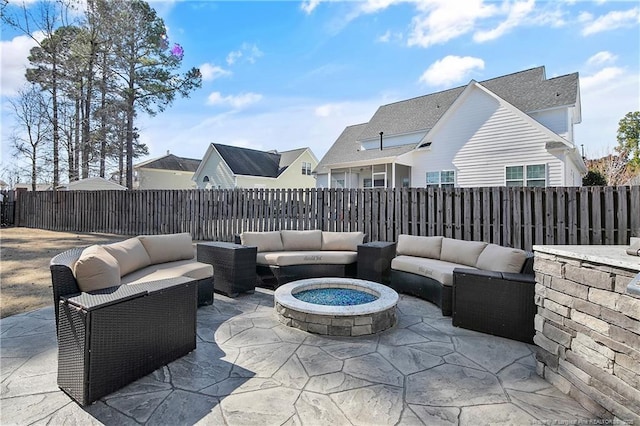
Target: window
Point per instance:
(443, 179)
(405, 182)
(530, 175)
(306, 168)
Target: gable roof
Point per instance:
(170, 162)
(93, 183)
(288, 157)
(527, 90)
(249, 162)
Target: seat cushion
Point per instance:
(341, 241)
(465, 253)
(264, 241)
(130, 254)
(438, 270)
(501, 259)
(180, 268)
(96, 269)
(167, 248)
(319, 257)
(412, 245)
(302, 240)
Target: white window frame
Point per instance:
(440, 183)
(306, 168)
(525, 175)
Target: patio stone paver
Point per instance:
(250, 369)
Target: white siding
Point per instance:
(398, 140)
(556, 120)
(164, 179)
(220, 176)
(479, 140)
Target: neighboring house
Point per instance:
(168, 172)
(39, 186)
(228, 167)
(508, 131)
(92, 184)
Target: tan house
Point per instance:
(168, 172)
(228, 167)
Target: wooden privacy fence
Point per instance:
(516, 217)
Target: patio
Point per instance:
(250, 369)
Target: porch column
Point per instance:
(393, 174)
(329, 180)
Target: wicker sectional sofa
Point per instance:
(484, 287)
(125, 309)
(284, 256)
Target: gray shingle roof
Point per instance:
(527, 90)
(288, 157)
(250, 162)
(172, 162)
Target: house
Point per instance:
(167, 172)
(508, 131)
(28, 187)
(92, 184)
(227, 167)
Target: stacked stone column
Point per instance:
(588, 334)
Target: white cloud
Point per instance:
(605, 76)
(611, 21)
(439, 21)
(516, 13)
(606, 97)
(14, 54)
(389, 36)
(211, 72)
(309, 6)
(250, 52)
(235, 101)
(601, 58)
(450, 70)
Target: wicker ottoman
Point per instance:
(234, 266)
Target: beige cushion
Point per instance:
(342, 241)
(501, 259)
(130, 255)
(460, 251)
(167, 248)
(412, 245)
(181, 268)
(302, 240)
(264, 241)
(438, 270)
(96, 269)
(320, 257)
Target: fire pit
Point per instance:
(341, 306)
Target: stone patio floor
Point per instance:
(248, 369)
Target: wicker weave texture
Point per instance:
(234, 266)
(107, 347)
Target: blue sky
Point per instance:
(290, 74)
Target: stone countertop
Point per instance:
(607, 255)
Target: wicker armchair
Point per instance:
(108, 338)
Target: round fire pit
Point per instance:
(342, 319)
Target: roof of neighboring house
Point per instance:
(92, 183)
(171, 162)
(251, 162)
(527, 90)
(39, 186)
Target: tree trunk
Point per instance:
(76, 151)
(103, 118)
(56, 132)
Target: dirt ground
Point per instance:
(25, 280)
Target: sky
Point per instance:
(289, 74)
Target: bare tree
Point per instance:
(33, 128)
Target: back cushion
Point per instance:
(130, 255)
(461, 252)
(167, 248)
(264, 241)
(342, 241)
(411, 245)
(302, 240)
(501, 259)
(96, 269)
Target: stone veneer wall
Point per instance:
(588, 334)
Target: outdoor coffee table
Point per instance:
(234, 266)
(374, 261)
